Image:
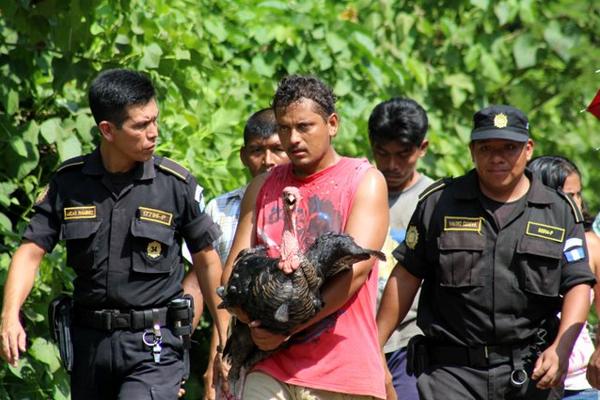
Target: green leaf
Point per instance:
(503, 12)
(261, 67)
(84, 124)
(417, 70)
(6, 189)
(216, 28)
(45, 352)
(151, 56)
(49, 130)
(278, 5)
(483, 4)
(524, 51)
(122, 39)
(342, 87)
(69, 148)
(365, 42)
(12, 102)
(18, 145)
(461, 81)
(182, 54)
(335, 42)
(526, 11)
(21, 369)
(558, 42)
(96, 29)
(490, 68)
(5, 223)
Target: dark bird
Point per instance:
(263, 292)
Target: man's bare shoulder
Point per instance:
(372, 183)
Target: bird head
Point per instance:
(291, 197)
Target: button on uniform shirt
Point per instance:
(124, 243)
(490, 284)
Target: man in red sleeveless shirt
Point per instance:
(336, 353)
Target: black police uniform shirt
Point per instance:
(484, 284)
(124, 247)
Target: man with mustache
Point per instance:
(499, 255)
(335, 354)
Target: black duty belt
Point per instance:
(110, 320)
(474, 356)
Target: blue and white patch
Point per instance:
(199, 198)
(574, 250)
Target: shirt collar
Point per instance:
(93, 166)
(468, 188)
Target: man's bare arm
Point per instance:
(21, 276)
(399, 293)
(552, 364)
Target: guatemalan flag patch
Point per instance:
(574, 250)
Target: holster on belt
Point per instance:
(417, 355)
(180, 315)
(60, 313)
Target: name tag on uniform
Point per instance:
(544, 231)
(468, 224)
(153, 215)
(83, 212)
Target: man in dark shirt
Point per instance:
(498, 254)
(123, 214)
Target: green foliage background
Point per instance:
(215, 62)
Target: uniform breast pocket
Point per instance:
(539, 264)
(82, 243)
(152, 247)
(460, 260)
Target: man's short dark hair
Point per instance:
(399, 119)
(260, 125)
(115, 89)
(295, 87)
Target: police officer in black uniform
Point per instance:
(498, 254)
(122, 213)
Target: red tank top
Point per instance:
(341, 352)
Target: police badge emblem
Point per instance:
(500, 120)
(154, 249)
(412, 237)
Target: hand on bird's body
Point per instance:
(220, 372)
(264, 339)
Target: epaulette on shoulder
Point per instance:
(576, 211)
(72, 162)
(434, 187)
(172, 167)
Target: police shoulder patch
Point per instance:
(72, 162)
(434, 187)
(172, 167)
(574, 208)
(412, 237)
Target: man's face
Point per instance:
(397, 162)
(260, 155)
(135, 140)
(500, 163)
(306, 134)
(572, 186)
